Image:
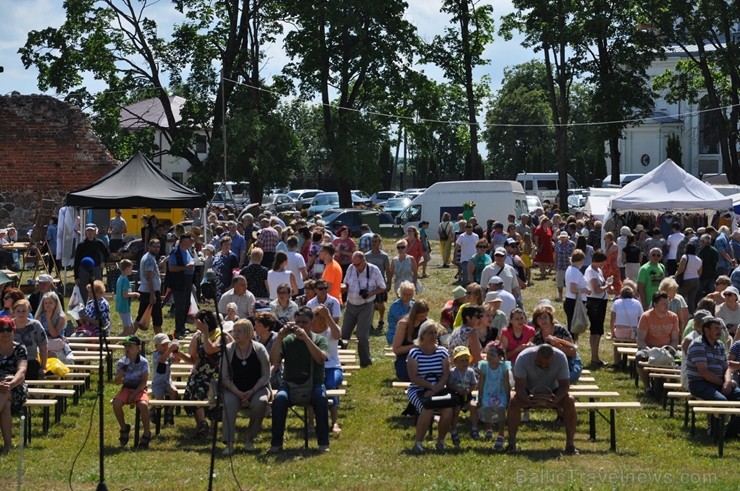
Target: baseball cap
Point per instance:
(91, 226)
(460, 351)
(500, 251)
(131, 340)
(458, 292)
(563, 233)
(44, 278)
(495, 280)
(731, 289)
(511, 242)
(209, 247)
(161, 338)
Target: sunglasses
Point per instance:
(6, 329)
(400, 247)
(481, 247)
(656, 255)
(282, 292)
(7, 297)
(320, 288)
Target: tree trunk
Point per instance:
(476, 170)
(614, 156)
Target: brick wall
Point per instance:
(47, 149)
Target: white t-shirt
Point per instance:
(331, 303)
(627, 312)
(574, 275)
(594, 274)
(673, 241)
(467, 245)
(275, 279)
(295, 263)
(508, 274)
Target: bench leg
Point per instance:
(136, 427)
(47, 418)
(305, 426)
(673, 403)
(693, 422)
(613, 429)
(109, 366)
(592, 425)
(157, 415)
(27, 428)
(686, 414)
(721, 436)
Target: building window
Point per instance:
(200, 144)
(177, 176)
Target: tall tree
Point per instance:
(349, 49)
(619, 54)
(550, 27)
(118, 42)
(519, 135)
(706, 33)
(458, 52)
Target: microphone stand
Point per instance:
(101, 400)
(219, 386)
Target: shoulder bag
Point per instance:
(579, 322)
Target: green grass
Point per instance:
(653, 451)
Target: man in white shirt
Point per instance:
(364, 281)
(505, 272)
(673, 240)
(323, 298)
(466, 242)
(296, 263)
(239, 295)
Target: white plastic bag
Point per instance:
(75, 299)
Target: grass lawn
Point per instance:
(372, 452)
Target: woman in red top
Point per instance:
(344, 247)
(517, 336)
(542, 236)
(413, 245)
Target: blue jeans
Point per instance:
(575, 367)
(710, 392)
(464, 273)
(280, 406)
(333, 380)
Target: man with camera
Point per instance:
(364, 281)
(304, 354)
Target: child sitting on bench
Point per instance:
(133, 372)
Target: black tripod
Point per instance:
(88, 264)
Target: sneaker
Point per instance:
(512, 448)
(336, 429)
(323, 448)
(489, 434)
(455, 438)
(499, 445)
(572, 450)
(418, 448)
(474, 434)
(440, 446)
(525, 418)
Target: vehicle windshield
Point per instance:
(268, 200)
(294, 194)
(329, 217)
(326, 199)
(397, 203)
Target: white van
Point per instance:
(493, 199)
(543, 184)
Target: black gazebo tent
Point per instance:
(136, 184)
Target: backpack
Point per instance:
(443, 235)
(172, 279)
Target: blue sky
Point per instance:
(22, 16)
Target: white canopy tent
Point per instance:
(669, 188)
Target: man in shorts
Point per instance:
(150, 286)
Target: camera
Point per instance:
(364, 293)
(291, 328)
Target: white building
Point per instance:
(643, 147)
(150, 114)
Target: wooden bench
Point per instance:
(76, 385)
(719, 409)
(59, 394)
(154, 406)
(672, 397)
(596, 408)
(45, 405)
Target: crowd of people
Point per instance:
(280, 300)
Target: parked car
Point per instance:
(326, 201)
(624, 179)
(414, 190)
(394, 206)
(352, 218)
(577, 198)
(381, 197)
(533, 202)
(303, 197)
(278, 203)
(360, 199)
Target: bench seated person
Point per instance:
(542, 380)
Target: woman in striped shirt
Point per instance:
(429, 368)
